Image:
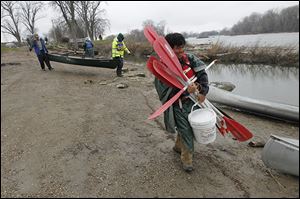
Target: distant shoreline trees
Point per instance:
(272, 21)
(287, 20)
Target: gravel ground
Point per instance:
(72, 133)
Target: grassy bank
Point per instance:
(5, 49)
(282, 56)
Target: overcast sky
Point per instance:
(196, 16)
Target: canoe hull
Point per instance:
(282, 154)
(259, 107)
(92, 62)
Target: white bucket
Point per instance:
(203, 121)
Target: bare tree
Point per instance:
(59, 30)
(159, 27)
(100, 27)
(90, 14)
(29, 11)
(10, 18)
(67, 8)
(286, 20)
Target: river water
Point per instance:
(271, 39)
(270, 83)
(276, 84)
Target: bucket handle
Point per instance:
(194, 106)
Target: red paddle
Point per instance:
(150, 34)
(167, 55)
(162, 69)
(166, 105)
(175, 83)
(151, 69)
(240, 132)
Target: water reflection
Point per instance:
(256, 70)
(278, 84)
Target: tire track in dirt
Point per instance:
(238, 184)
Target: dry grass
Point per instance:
(283, 56)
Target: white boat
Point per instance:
(259, 107)
(282, 154)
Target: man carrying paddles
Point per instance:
(176, 117)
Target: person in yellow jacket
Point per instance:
(118, 48)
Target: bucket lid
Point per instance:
(202, 116)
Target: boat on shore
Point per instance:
(83, 61)
(282, 154)
(254, 106)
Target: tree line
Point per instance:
(78, 19)
(286, 20)
(272, 21)
(86, 19)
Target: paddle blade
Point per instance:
(157, 75)
(237, 130)
(166, 105)
(168, 57)
(220, 126)
(160, 68)
(150, 34)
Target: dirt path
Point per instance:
(64, 136)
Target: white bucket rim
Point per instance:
(210, 120)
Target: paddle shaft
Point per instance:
(236, 129)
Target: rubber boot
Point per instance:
(177, 147)
(186, 158)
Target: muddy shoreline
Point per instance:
(72, 133)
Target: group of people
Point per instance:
(118, 49)
(176, 117)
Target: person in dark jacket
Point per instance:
(38, 44)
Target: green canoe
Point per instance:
(93, 62)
